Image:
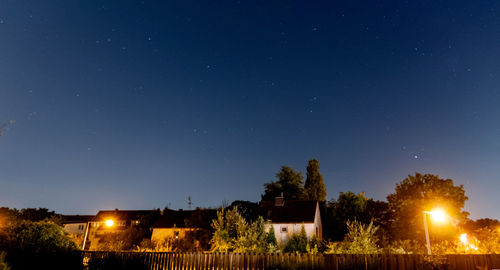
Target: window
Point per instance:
(80, 227)
(176, 234)
(284, 229)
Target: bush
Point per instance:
(298, 242)
(39, 245)
(114, 261)
(3, 263)
(361, 239)
(232, 233)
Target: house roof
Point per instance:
(68, 219)
(121, 214)
(293, 211)
(199, 218)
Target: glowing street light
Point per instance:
(438, 216)
(463, 238)
(110, 223)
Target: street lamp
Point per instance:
(108, 223)
(438, 216)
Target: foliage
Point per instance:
(379, 213)
(272, 243)
(298, 242)
(201, 218)
(196, 240)
(251, 236)
(39, 245)
(472, 225)
(9, 216)
(233, 233)
(128, 239)
(248, 210)
(112, 261)
(444, 247)
(37, 214)
(314, 187)
(418, 193)
(225, 230)
(488, 240)
(406, 247)
(289, 184)
(348, 206)
(3, 263)
(361, 239)
(316, 245)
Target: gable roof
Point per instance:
(121, 214)
(294, 211)
(68, 219)
(199, 218)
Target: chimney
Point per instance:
(279, 201)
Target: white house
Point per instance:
(75, 226)
(288, 216)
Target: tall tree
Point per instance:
(349, 207)
(248, 210)
(423, 192)
(314, 187)
(289, 184)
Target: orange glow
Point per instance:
(110, 223)
(463, 238)
(438, 215)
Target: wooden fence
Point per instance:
(253, 261)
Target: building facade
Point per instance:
(288, 217)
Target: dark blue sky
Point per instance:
(140, 104)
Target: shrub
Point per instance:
(232, 233)
(3, 263)
(298, 242)
(406, 247)
(40, 245)
(361, 239)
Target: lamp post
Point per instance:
(86, 235)
(437, 215)
(109, 223)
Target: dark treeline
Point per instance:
(352, 223)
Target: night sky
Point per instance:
(140, 104)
